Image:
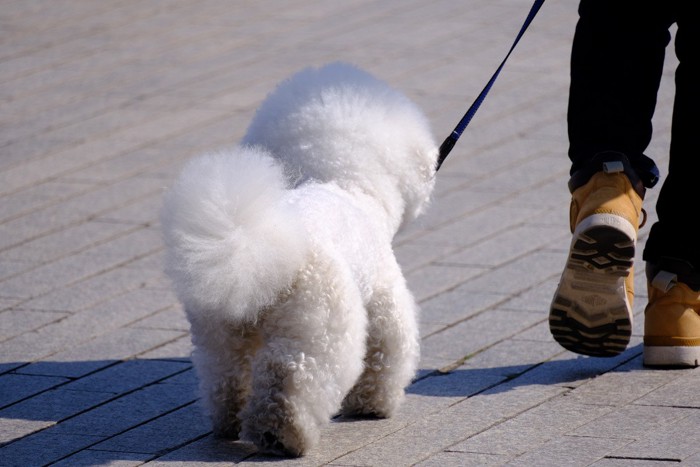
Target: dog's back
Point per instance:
(338, 123)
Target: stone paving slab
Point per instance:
(102, 103)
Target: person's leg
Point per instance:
(672, 251)
(616, 65)
(673, 236)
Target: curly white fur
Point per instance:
(280, 250)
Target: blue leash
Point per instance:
(450, 141)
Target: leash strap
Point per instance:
(451, 140)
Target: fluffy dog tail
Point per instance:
(233, 241)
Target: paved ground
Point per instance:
(102, 101)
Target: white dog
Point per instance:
(280, 251)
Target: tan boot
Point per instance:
(591, 312)
(671, 323)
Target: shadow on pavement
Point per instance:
(468, 380)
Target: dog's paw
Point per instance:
(270, 444)
(363, 413)
(229, 431)
(285, 440)
(370, 404)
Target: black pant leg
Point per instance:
(678, 206)
(616, 64)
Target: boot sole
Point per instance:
(590, 312)
(671, 356)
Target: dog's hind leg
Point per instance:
(392, 350)
(222, 356)
(311, 357)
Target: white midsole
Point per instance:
(609, 220)
(671, 356)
